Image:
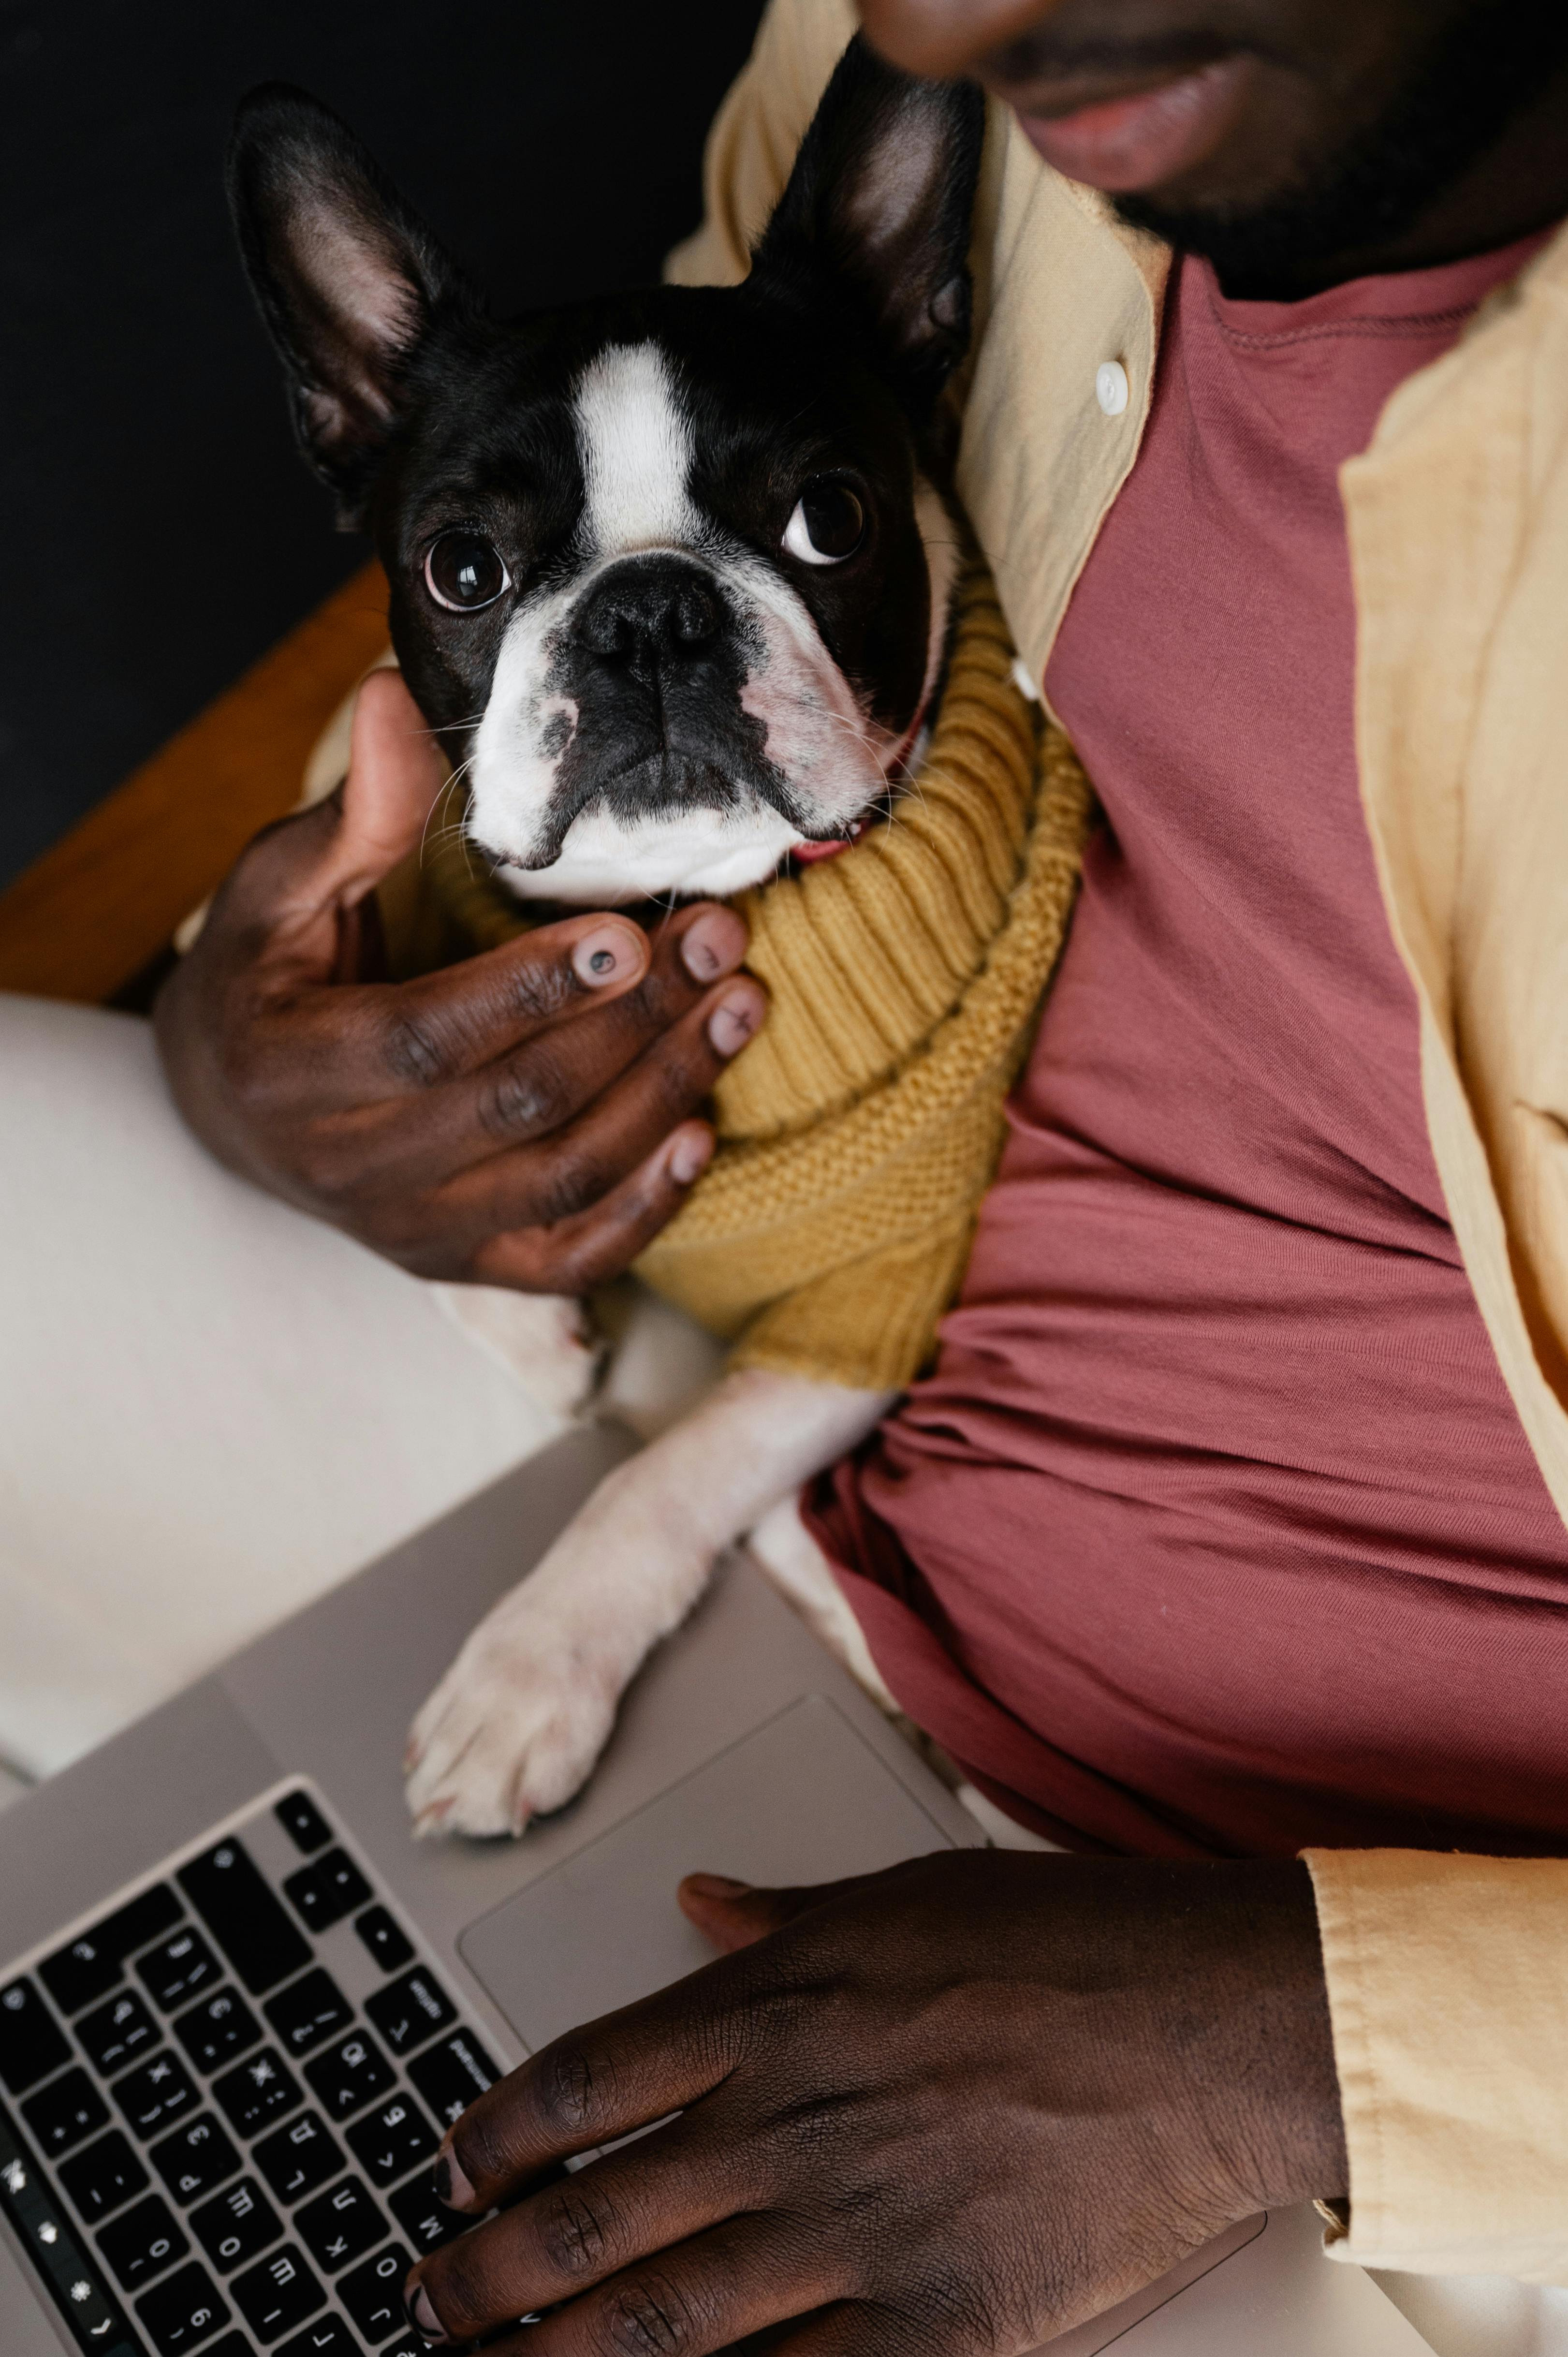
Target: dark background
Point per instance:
(160, 530)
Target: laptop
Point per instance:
(238, 2005)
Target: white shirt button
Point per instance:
(1110, 387)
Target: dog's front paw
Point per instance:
(514, 1726)
(543, 1338)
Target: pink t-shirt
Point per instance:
(1214, 1530)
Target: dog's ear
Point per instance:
(878, 205)
(348, 280)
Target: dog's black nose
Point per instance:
(649, 612)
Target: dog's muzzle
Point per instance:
(653, 661)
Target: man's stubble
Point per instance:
(1477, 73)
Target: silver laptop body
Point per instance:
(240, 2003)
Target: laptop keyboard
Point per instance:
(222, 2100)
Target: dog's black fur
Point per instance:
(426, 418)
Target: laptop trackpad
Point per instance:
(803, 1800)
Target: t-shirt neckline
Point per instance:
(1392, 303)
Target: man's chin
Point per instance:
(1357, 205)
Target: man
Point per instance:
(1217, 1531)
(1231, 1519)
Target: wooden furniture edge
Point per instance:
(103, 902)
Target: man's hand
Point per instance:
(956, 2107)
(523, 1119)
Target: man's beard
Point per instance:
(1478, 72)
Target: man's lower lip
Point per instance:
(1126, 144)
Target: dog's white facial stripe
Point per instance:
(636, 449)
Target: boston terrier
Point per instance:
(671, 580)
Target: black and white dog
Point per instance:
(670, 576)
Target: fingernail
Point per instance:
(599, 957)
(713, 944)
(421, 2315)
(451, 2186)
(690, 1155)
(732, 1022)
(716, 1886)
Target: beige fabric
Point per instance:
(1450, 2015)
(212, 1407)
(1458, 525)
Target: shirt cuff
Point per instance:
(1448, 1993)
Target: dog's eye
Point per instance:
(464, 572)
(828, 524)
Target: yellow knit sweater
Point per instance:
(859, 1130)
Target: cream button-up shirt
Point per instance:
(1448, 1976)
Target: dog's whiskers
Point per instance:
(445, 728)
(432, 817)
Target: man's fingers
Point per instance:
(448, 1026)
(685, 2299)
(396, 775)
(597, 1245)
(506, 1046)
(733, 1914)
(566, 1166)
(588, 2225)
(296, 878)
(596, 2085)
(483, 1020)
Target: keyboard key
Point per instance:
(324, 1893)
(327, 2337)
(244, 1917)
(236, 2225)
(217, 2030)
(303, 1824)
(392, 2141)
(102, 2176)
(139, 2246)
(64, 2112)
(31, 2041)
(155, 2092)
(296, 2159)
(451, 2075)
(385, 1939)
(426, 2222)
(181, 2312)
(410, 2010)
(195, 2158)
(77, 1974)
(277, 2295)
(235, 2344)
(372, 2293)
(73, 2281)
(177, 1968)
(350, 2075)
(341, 2225)
(307, 2011)
(117, 2033)
(257, 2091)
(92, 1962)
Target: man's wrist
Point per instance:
(1263, 2069)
